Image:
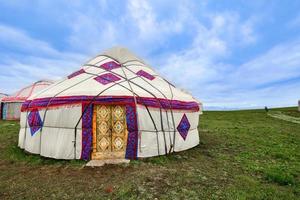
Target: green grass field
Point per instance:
(242, 155)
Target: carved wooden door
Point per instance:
(109, 132)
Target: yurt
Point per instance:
(114, 107)
(2, 95)
(11, 108)
(299, 105)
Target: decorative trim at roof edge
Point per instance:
(42, 103)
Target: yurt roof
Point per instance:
(114, 73)
(25, 92)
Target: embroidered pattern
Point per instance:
(184, 126)
(110, 65)
(103, 131)
(132, 140)
(145, 74)
(119, 133)
(76, 73)
(35, 122)
(86, 131)
(107, 78)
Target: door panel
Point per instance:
(119, 131)
(109, 132)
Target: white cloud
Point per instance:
(257, 82)
(90, 33)
(38, 61)
(271, 79)
(149, 26)
(200, 63)
(280, 63)
(18, 39)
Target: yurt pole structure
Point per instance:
(149, 104)
(26, 120)
(170, 105)
(141, 88)
(129, 80)
(91, 101)
(129, 83)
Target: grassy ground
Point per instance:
(242, 155)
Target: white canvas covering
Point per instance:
(62, 122)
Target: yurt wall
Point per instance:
(11, 110)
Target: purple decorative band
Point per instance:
(107, 78)
(76, 73)
(110, 65)
(87, 131)
(132, 141)
(145, 74)
(151, 102)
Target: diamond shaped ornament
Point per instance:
(107, 78)
(118, 143)
(184, 126)
(103, 144)
(34, 121)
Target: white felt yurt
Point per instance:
(114, 107)
(11, 108)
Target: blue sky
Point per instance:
(228, 54)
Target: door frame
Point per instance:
(87, 126)
(110, 154)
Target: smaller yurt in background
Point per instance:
(299, 105)
(2, 95)
(11, 105)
